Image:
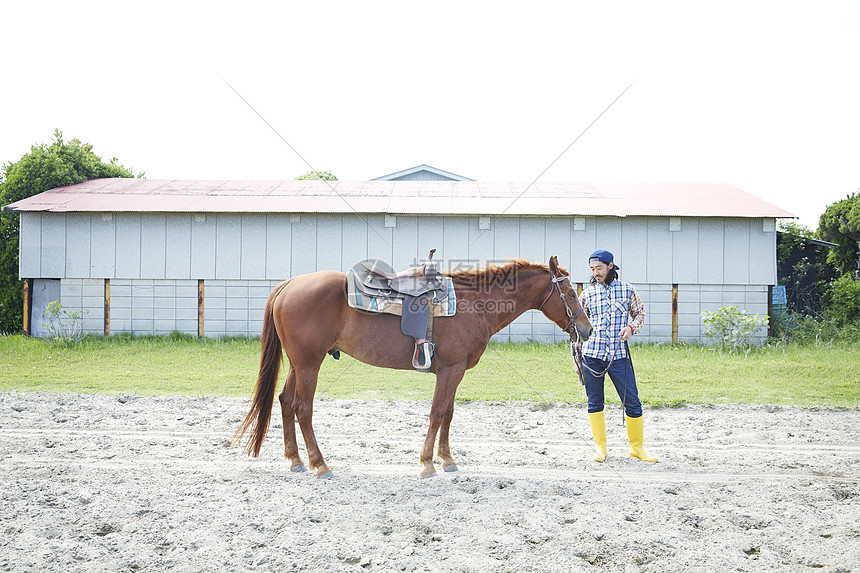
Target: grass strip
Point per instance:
(668, 375)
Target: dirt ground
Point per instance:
(127, 483)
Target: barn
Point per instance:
(155, 256)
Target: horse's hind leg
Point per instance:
(291, 446)
(303, 406)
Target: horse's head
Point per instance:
(564, 309)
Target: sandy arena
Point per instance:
(127, 483)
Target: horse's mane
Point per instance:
(499, 273)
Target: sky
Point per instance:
(761, 95)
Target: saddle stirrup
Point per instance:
(423, 356)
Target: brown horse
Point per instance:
(308, 315)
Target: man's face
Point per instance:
(599, 270)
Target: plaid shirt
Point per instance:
(608, 309)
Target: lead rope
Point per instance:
(579, 360)
(629, 359)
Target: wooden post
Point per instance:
(200, 308)
(28, 307)
(578, 289)
(674, 314)
(107, 307)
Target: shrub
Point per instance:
(731, 326)
(64, 326)
(843, 300)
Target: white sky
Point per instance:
(761, 95)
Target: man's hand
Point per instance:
(626, 332)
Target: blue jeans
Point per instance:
(622, 376)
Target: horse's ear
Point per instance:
(553, 264)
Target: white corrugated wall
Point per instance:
(155, 260)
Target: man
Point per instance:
(616, 313)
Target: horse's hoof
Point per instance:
(298, 469)
(326, 475)
(450, 468)
(430, 475)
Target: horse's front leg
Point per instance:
(288, 415)
(447, 380)
(444, 451)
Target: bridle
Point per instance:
(570, 329)
(575, 345)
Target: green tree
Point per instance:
(44, 167)
(792, 236)
(323, 175)
(840, 224)
(802, 268)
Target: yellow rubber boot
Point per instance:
(598, 430)
(635, 434)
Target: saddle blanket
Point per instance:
(393, 303)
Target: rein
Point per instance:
(576, 347)
(576, 350)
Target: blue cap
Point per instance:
(602, 256)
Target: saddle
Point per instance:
(414, 281)
(416, 294)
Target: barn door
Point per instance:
(45, 291)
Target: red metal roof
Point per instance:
(401, 197)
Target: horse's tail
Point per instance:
(257, 419)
